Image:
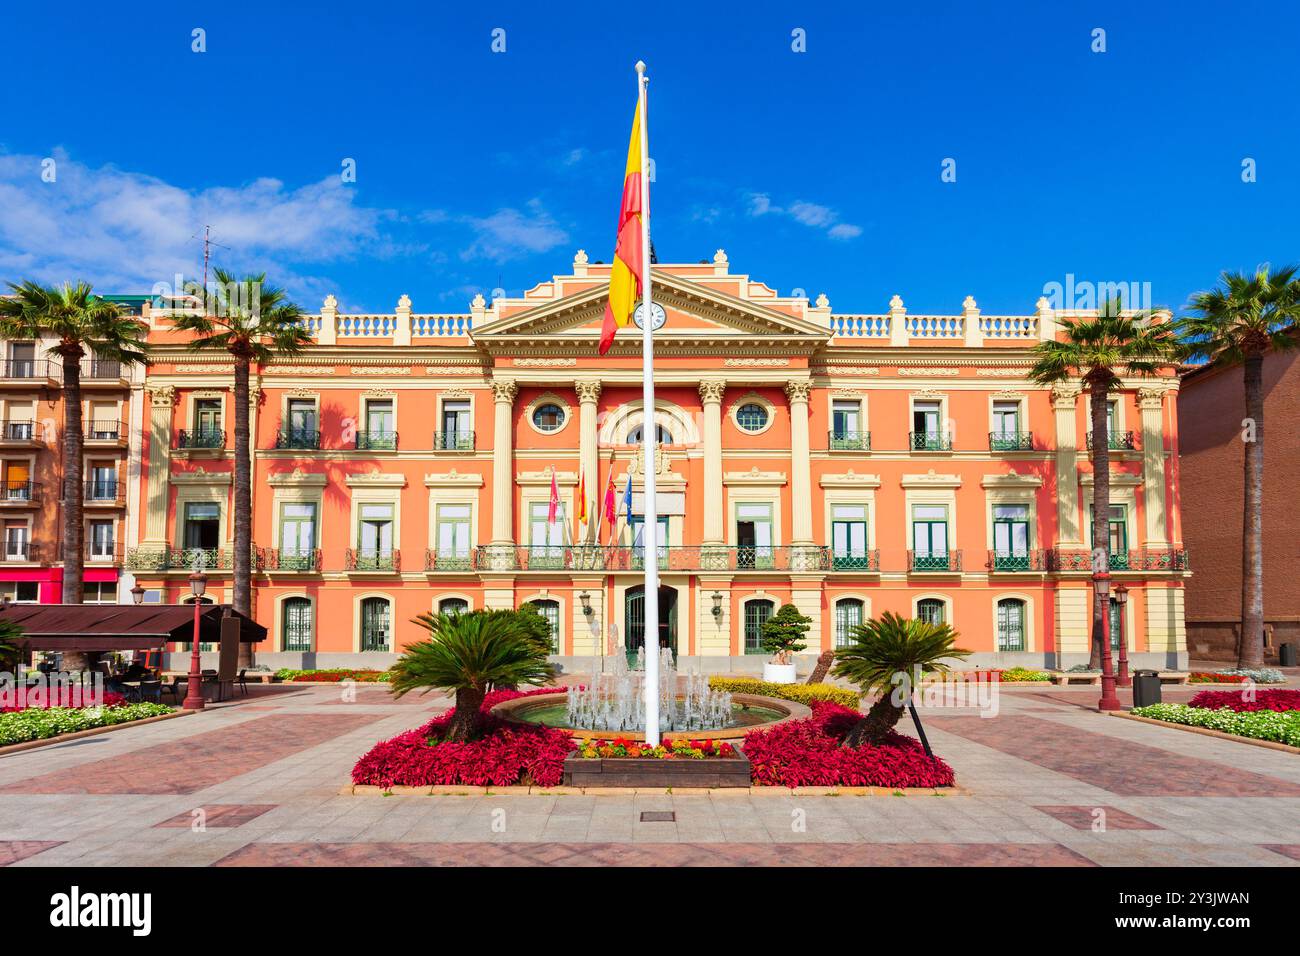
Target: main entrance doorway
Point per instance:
(634, 619)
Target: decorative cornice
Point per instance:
(1117, 479)
(850, 479)
(754, 477)
(931, 480)
(453, 479)
(201, 477)
(927, 372)
(376, 479)
(755, 362)
(391, 370)
(203, 369)
(535, 478)
(544, 362)
(301, 370)
(1013, 480)
(297, 479)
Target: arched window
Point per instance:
(551, 611)
(376, 624)
(756, 615)
(848, 615)
(1011, 624)
(296, 624)
(548, 417)
(662, 435)
(751, 417)
(931, 610)
(453, 605)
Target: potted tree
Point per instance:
(782, 636)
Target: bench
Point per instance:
(1067, 677)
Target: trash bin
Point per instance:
(1146, 688)
(1286, 655)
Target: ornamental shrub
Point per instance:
(1232, 699)
(332, 676)
(1280, 726)
(37, 724)
(810, 753)
(506, 754)
(1024, 674)
(800, 693)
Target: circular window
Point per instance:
(752, 417)
(548, 417)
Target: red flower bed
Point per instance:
(337, 677)
(1209, 677)
(508, 753)
(57, 698)
(1232, 699)
(808, 753)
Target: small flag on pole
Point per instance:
(554, 508)
(611, 497)
(625, 277)
(627, 499)
(581, 508)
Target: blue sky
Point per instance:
(817, 170)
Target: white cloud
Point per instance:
(510, 234)
(811, 214)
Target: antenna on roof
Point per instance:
(207, 254)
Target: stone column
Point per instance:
(158, 477)
(503, 477)
(588, 395)
(800, 463)
(1065, 397)
(714, 510)
(1151, 401)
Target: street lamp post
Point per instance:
(1101, 634)
(1121, 598)
(194, 693)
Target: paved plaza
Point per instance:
(1046, 782)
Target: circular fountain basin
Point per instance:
(750, 711)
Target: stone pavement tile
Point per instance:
(1289, 850)
(219, 815)
(1084, 818)
(11, 851)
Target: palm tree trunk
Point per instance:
(242, 598)
(876, 725)
(74, 561)
(1099, 397)
(467, 719)
(1250, 648)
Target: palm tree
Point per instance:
(254, 322)
(470, 653)
(1237, 323)
(79, 321)
(11, 642)
(888, 655)
(1098, 350)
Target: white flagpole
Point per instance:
(650, 527)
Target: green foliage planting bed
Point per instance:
(38, 724)
(1280, 726)
(801, 693)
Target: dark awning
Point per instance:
(122, 627)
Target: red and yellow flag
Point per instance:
(582, 499)
(625, 275)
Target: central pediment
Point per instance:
(698, 315)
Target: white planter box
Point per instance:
(779, 673)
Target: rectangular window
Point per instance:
(202, 525)
(756, 615)
(1118, 543)
(298, 624)
(927, 426)
(18, 485)
(103, 421)
(846, 425)
(453, 536)
(21, 423)
(297, 535)
(1011, 625)
(17, 541)
(1011, 537)
(930, 537)
(848, 615)
(754, 545)
(22, 360)
(207, 416)
(101, 540)
(849, 537)
(457, 432)
(21, 592)
(375, 537)
(303, 429)
(103, 482)
(381, 425)
(99, 592)
(637, 524)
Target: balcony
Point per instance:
(212, 439)
(105, 434)
(453, 441)
(848, 441)
(1118, 441)
(367, 559)
(451, 561)
(104, 553)
(299, 438)
(20, 434)
(179, 559)
(28, 373)
(301, 561)
(21, 552)
(1010, 562)
(104, 492)
(1011, 441)
(1160, 559)
(103, 373)
(929, 441)
(865, 561)
(20, 494)
(375, 441)
(934, 561)
(670, 558)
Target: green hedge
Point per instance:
(801, 693)
(37, 724)
(1280, 726)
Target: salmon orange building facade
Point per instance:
(846, 463)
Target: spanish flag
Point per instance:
(582, 499)
(625, 275)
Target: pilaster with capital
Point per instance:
(1151, 403)
(162, 402)
(798, 392)
(504, 392)
(714, 516)
(1065, 401)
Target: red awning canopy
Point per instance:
(122, 627)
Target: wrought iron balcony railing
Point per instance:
(106, 431)
(1010, 561)
(201, 438)
(670, 558)
(179, 559)
(1118, 441)
(848, 441)
(1143, 559)
(929, 441)
(1011, 441)
(110, 552)
(371, 559)
(103, 489)
(303, 438)
(20, 492)
(934, 561)
(855, 561)
(376, 441)
(101, 369)
(27, 369)
(454, 560)
(453, 441)
(289, 559)
(17, 431)
(21, 552)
